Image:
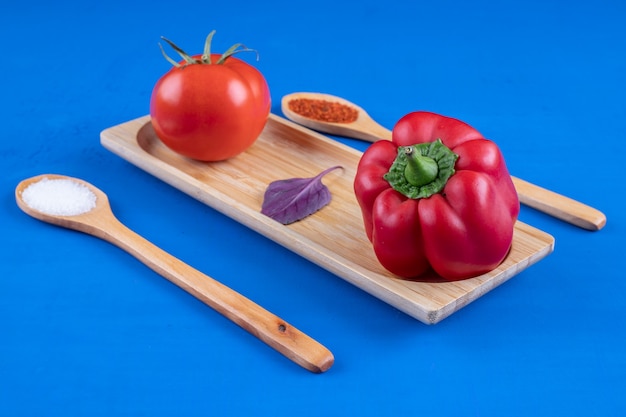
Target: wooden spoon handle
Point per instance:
(272, 330)
(559, 206)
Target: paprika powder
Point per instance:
(323, 110)
(438, 197)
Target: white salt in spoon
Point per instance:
(76, 204)
(365, 128)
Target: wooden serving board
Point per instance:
(334, 237)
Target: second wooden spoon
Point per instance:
(365, 128)
(102, 223)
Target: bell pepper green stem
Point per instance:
(422, 170)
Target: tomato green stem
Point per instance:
(206, 55)
(421, 170)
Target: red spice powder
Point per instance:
(323, 110)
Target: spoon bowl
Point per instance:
(84, 222)
(102, 223)
(531, 195)
(364, 127)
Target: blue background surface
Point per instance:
(86, 330)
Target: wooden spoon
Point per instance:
(101, 222)
(367, 129)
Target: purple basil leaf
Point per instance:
(290, 200)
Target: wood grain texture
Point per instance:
(367, 129)
(102, 223)
(334, 237)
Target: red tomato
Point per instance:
(210, 111)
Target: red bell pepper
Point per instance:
(438, 197)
